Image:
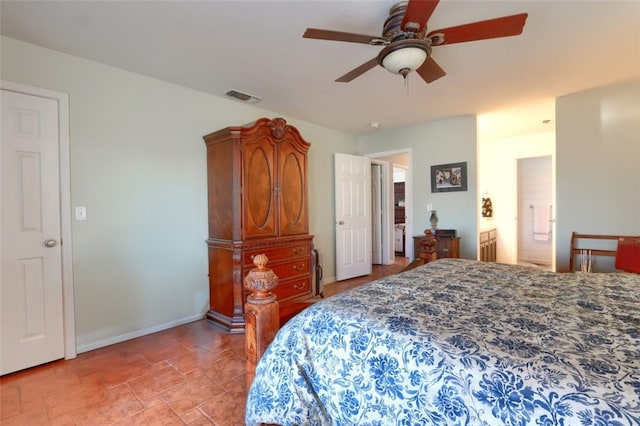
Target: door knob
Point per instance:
(341, 223)
(50, 242)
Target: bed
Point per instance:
(459, 342)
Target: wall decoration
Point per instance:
(487, 207)
(449, 177)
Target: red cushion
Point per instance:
(628, 254)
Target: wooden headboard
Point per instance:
(580, 242)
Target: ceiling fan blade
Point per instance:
(430, 70)
(357, 72)
(482, 30)
(338, 36)
(419, 11)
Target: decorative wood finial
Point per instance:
(259, 281)
(277, 126)
(428, 247)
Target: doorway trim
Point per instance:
(65, 206)
(387, 207)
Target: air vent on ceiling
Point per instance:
(244, 97)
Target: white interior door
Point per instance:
(353, 216)
(32, 301)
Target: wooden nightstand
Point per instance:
(445, 247)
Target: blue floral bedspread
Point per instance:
(463, 343)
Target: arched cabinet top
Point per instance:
(276, 129)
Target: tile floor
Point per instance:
(192, 374)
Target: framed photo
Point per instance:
(449, 177)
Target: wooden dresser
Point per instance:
(257, 190)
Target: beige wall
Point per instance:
(138, 165)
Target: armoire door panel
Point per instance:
(258, 189)
(293, 190)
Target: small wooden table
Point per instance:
(445, 247)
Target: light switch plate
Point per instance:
(81, 213)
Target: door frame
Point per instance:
(378, 226)
(387, 208)
(65, 206)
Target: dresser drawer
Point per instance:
(292, 287)
(278, 253)
(448, 247)
(291, 269)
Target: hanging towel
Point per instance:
(541, 223)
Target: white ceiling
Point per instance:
(257, 47)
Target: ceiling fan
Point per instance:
(408, 44)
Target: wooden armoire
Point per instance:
(257, 189)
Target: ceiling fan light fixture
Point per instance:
(404, 56)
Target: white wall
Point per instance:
(138, 164)
(445, 141)
(598, 164)
(498, 165)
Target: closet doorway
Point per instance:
(393, 167)
(535, 211)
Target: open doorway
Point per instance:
(535, 211)
(391, 176)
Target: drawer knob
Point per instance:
(299, 286)
(298, 267)
(297, 250)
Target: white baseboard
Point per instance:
(137, 333)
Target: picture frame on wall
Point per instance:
(449, 177)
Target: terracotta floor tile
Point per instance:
(193, 391)
(202, 421)
(154, 348)
(31, 413)
(118, 403)
(198, 358)
(227, 370)
(227, 408)
(52, 382)
(63, 420)
(194, 415)
(192, 374)
(74, 397)
(104, 361)
(121, 373)
(155, 383)
(158, 415)
(9, 402)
